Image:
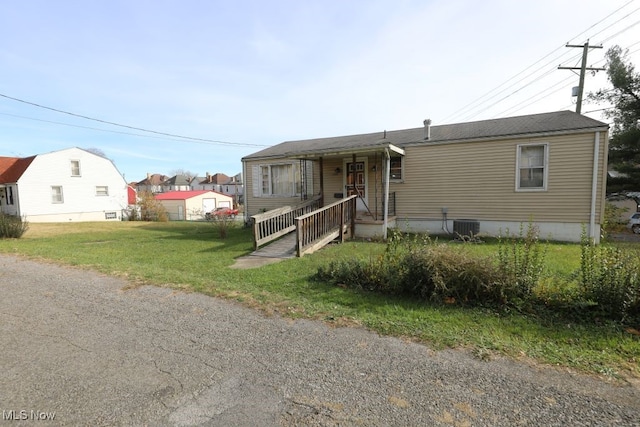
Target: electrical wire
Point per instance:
(475, 105)
(182, 137)
(117, 131)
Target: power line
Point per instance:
(540, 95)
(112, 131)
(182, 137)
(475, 105)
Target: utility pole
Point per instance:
(583, 70)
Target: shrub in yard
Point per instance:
(609, 280)
(442, 272)
(150, 208)
(521, 261)
(12, 226)
(221, 224)
(416, 266)
(612, 222)
(132, 214)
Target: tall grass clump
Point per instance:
(609, 280)
(12, 226)
(419, 267)
(222, 223)
(521, 262)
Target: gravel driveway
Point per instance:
(91, 350)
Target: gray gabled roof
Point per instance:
(561, 121)
(178, 180)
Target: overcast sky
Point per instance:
(251, 74)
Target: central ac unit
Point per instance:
(466, 227)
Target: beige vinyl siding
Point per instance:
(333, 182)
(478, 180)
(256, 205)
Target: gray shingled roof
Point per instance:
(561, 121)
(178, 180)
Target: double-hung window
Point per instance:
(532, 167)
(56, 194)
(395, 168)
(75, 167)
(280, 179)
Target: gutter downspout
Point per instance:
(244, 192)
(386, 191)
(594, 189)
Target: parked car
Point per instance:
(221, 212)
(634, 223)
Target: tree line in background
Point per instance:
(624, 142)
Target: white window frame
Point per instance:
(268, 191)
(102, 190)
(57, 197)
(73, 168)
(545, 167)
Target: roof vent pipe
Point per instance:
(427, 129)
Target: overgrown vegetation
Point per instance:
(609, 282)
(614, 219)
(12, 226)
(148, 209)
(221, 223)
(607, 285)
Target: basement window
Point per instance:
(102, 190)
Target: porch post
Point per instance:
(321, 182)
(386, 190)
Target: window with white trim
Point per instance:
(280, 179)
(102, 190)
(56, 194)
(75, 167)
(532, 167)
(395, 168)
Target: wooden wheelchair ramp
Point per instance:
(289, 232)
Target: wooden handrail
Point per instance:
(275, 223)
(317, 228)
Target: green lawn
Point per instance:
(191, 256)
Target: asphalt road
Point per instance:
(89, 349)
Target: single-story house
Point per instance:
(67, 185)
(192, 205)
(486, 176)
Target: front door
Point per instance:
(356, 182)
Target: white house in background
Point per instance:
(192, 205)
(67, 185)
(231, 186)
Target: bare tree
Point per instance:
(97, 152)
(182, 171)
